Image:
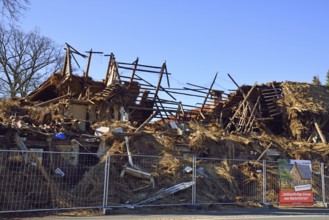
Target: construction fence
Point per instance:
(37, 180)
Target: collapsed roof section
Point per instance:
(273, 108)
(120, 97)
(250, 107)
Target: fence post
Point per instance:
(323, 185)
(106, 182)
(264, 182)
(194, 180)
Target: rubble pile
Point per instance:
(126, 117)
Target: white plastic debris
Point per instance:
(173, 125)
(101, 130)
(59, 172)
(188, 169)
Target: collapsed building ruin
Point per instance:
(71, 113)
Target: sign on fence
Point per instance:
(295, 183)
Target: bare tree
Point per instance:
(13, 8)
(25, 59)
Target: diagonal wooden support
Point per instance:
(112, 72)
(207, 96)
(159, 82)
(256, 114)
(240, 106)
(134, 71)
(251, 119)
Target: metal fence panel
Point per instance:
(221, 181)
(149, 180)
(326, 181)
(272, 182)
(36, 180)
(317, 182)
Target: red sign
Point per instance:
(296, 198)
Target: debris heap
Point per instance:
(127, 116)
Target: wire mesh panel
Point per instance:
(36, 180)
(316, 182)
(149, 180)
(326, 182)
(228, 181)
(272, 182)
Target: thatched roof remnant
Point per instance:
(305, 97)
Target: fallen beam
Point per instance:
(163, 193)
(52, 100)
(318, 129)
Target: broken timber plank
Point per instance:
(52, 100)
(206, 98)
(147, 121)
(323, 138)
(134, 71)
(264, 152)
(159, 82)
(251, 118)
(140, 70)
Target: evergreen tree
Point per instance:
(327, 82)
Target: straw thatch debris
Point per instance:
(120, 114)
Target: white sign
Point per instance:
(303, 187)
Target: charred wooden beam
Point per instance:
(155, 87)
(251, 105)
(167, 76)
(89, 61)
(86, 74)
(275, 114)
(205, 100)
(186, 94)
(67, 69)
(146, 121)
(250, 121)
(160, 112)
(270, 92)
(141, 65)
(134, 71)
(161, 105)
(195, 112)
(270, 96)
(231, 120)
(195, 90)
(139, 70)
(73, 50)
(176, 103)
(159, 82)
(52, 100)
(271, 89)
(197, 86)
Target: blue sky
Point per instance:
(253, 40)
